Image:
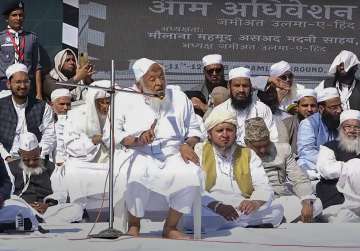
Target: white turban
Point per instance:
(240, 72)
(61, 92)
(279, 68)
(141, 66)
(349, 114)
(347, 57)
(14, 68)
(28, 141)
(219, 115)
(326, 94)
(301, 93)
(212, 59)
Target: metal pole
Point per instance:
(111, 163)
(111, 233)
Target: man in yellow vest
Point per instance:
(237, 191)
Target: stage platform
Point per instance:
(72, 237)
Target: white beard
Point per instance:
(33, 171)
(347, 144)
(157, 104)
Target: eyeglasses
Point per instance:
(287, 77)
(213, 70)
(349, 128)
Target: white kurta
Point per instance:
(157, 167)
(59, 153)
(256, 109)
(77, 143)
(227, 191)
(348, 184)
(46, 128)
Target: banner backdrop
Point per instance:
(252, 33)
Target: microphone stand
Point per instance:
(110, 232)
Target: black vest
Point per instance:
(34, 112)
(39, 185)
(354, 99)
(326, 189)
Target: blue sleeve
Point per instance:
(307, 148)
(5, 183)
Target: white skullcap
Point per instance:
(28, 141)
(240, 72)
(279, 68)
(301, 93)
(212, 59)
(15, 68)
(219, 115)
(347, 57)
(326, 94)
(61, 92)
(349, 114)
(141, 66)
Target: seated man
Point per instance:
(306, 105)
(84, 126)
(291, 185)
(344, 75)
(334, 156)
(242, 103)
(32, 185)
(21, 113)
(238, 193)
(66, 69)
(318, 129)
(60, 104)
(283, 71)
(154, 138)
(10, 208)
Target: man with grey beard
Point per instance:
(335, 155)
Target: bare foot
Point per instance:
(134, 231)
(173, 233)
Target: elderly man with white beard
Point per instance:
(87, 156)
(155, 134)
(32, 185)
(241, 102)
(84, 126)
(339, 159)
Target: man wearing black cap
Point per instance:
(19, 46)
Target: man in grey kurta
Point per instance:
(291, 185)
